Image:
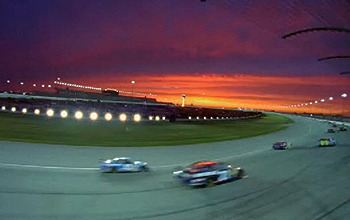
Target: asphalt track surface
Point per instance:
(62, 182)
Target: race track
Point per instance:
(62, 182)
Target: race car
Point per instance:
(342, 129)
(326, 142)
(281, 145)
(208, 173)
(330, 130)
(123, 164)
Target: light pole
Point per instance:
(344, 95)
(132, 87)
(330, 109)
(183, 100)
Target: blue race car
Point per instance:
(208, 173)
(281, 145)
(123, 164)
(326, 142)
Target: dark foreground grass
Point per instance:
(29, 128)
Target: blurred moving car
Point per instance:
(281, 145)
(334, 125)
(123, 164)
(342, 129)
(208, 173)
(330, 130)
(326, 142)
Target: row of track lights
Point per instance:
(344, 95)
(205, 118)
(93, 116)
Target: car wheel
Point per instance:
(144, 169)
(210, 182)
(114, 170)
(240, 173)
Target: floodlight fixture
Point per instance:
(37, 111)
(50, 112)
(93, 116)
(64, 114)
(122, 117)
(108, 116)
(137, 117)
(78, 115)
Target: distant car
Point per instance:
(342, 129)
(281, 145)
(326, 142)
(334, 125)
(208, 173)
(123, 164)
(330, 130)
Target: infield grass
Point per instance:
(40, 129)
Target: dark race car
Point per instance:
(281, 145)
(342, 129)
(330, 130)
(208, 173)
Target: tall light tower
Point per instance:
(132, 87)
(183, 100)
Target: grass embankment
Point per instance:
(30, 128)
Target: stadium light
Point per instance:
(157, 118)
(137, 117)
(24, 110)
(150, 118)
(8, 81)
(3, 108)
(13, 109)
(163, 118)
(43, 86)
(122, 117)
(50, 112)
(197, 117)
(108, 116)
(189, 117)
(205, 118)
(22, 83)
(93, 116)
(64, 114)
(315, 102)
(78, 115)
(37, 111)
(34, 84)
(322, 100)
(344, 95)
(331, 98)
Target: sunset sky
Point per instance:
(221, 53)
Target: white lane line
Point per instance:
(92, 168)
(217, 159)
(47, 167)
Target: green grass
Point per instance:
(30, 128)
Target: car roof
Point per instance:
(280, 142)
(122, 158)
(203, 164)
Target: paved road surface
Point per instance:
(62, 182)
